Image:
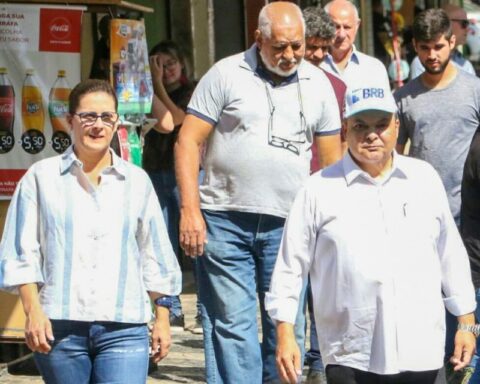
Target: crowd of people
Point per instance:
(284, 175)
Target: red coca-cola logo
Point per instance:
(6, 109)
(60, 28)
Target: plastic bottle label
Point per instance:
(6, 106)
(58, 108)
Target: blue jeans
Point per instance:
(238, 261)
(313, 358)
(95, 352)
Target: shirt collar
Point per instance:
(457, 56)
(69, 159)
(250, 61)
(352, 171)
(354, 57)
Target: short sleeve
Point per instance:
(329, 123)
(208, 99)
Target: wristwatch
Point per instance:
(164, 301)
(474, 328)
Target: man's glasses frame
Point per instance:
(282, 142)
(88, 119)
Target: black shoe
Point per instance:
(177, 323)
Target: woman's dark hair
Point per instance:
(86, 87)
(430, 24)
(171, 48)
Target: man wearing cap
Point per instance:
(384, 260)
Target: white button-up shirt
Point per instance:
(380, 253)
(95, 252)
(360, 68)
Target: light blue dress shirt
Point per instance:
(94, 251)
(361, 69)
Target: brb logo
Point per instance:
(372, 92)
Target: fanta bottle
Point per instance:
(58, 103)
(7, 102)
(33, 116)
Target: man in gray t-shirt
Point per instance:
(259, 113)
(439, 112)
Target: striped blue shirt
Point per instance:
(94, 251)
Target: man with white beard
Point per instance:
(260, 112)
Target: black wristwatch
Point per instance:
(164, 301)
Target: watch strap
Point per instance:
(164, 301)
(474, 328)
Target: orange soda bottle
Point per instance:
(58, 103)
(33, 116)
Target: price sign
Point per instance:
(7, 141)
(33, 141)
(61, 141)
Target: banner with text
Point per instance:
(39, 64)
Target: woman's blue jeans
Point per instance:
(95, 352)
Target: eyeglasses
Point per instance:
(463, 22)
(90, 118)
(170, 64)
(298, 137)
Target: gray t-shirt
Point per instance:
(258, 154)
(440, 124)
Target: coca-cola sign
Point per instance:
(6, 109)
(60, 28)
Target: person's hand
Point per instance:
(288, 354)
(161, 339)
(38, 331)
(464, 349)
(156, 67)
(193, 233)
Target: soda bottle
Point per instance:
(7, 102)
(33, 116)
(58, 103)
